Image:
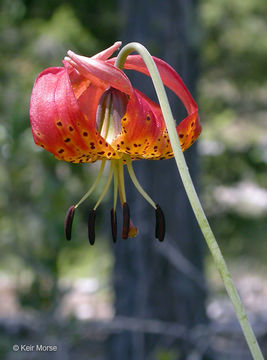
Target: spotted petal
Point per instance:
(59, 125)
(188, 129)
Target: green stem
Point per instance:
(192, 195)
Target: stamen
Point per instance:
(68, 222)
(160, 223)
(126, 221)
(121, 183)
(115, 184)
(89, 192)
(113, 218)
(110, 175)
(136, 182)
(91, 227)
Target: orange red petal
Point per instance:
(59, 125)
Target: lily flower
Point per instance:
(88, 110)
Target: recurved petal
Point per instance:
(100, 73)
(105, 54)
(143, 132)
(188, 130)
(59, 125)
(169, 77)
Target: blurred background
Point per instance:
(136, 299)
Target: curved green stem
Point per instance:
(192, 195)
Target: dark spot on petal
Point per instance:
(181, 136)
(109, 153)
(101, 152)
(100, 142)
(128, 148)
(135, 145)
(60, 151)
(59, 123)
(71, 128)
(67, 140)
(85, 133)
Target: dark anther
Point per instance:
(68, 222)
(160, 224)
(126, 221)
(113, 218)
(91, 227)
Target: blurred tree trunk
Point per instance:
(147, 284)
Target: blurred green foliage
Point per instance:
(36, 189)
(232, 99)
